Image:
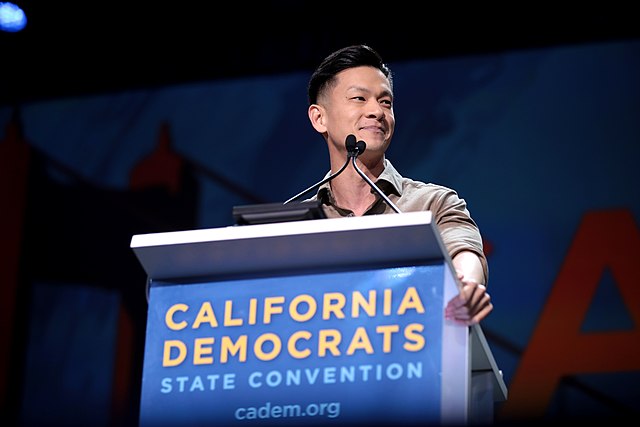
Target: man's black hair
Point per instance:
(347, 57)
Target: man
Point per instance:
(351, 92)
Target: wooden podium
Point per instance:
(314, 322)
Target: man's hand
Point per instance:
(470, 306)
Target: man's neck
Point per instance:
(350, 191)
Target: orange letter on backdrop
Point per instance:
(558, 348)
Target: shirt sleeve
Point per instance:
(458, 230)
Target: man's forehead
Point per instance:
(363, 77)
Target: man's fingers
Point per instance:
(470, 306)
(481, 315)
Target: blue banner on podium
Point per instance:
(359, 346)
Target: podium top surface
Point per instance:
(297, 245)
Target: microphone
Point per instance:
(353, 150)
(358, 149)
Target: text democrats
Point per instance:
(385, 306)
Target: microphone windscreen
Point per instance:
(361, 146)
(350, 143)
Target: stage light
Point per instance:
(12, 17)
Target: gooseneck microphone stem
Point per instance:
(374, 186)
(354, 149)
(313, 187)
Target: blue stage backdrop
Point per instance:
(543, 144)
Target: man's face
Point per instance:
(361, 103)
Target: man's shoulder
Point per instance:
(411, 184)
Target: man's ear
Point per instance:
(317, 118)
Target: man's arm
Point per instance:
(468, 265)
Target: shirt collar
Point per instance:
(389, 181)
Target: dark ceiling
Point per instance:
(92, 47)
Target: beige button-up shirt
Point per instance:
(458, 230)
